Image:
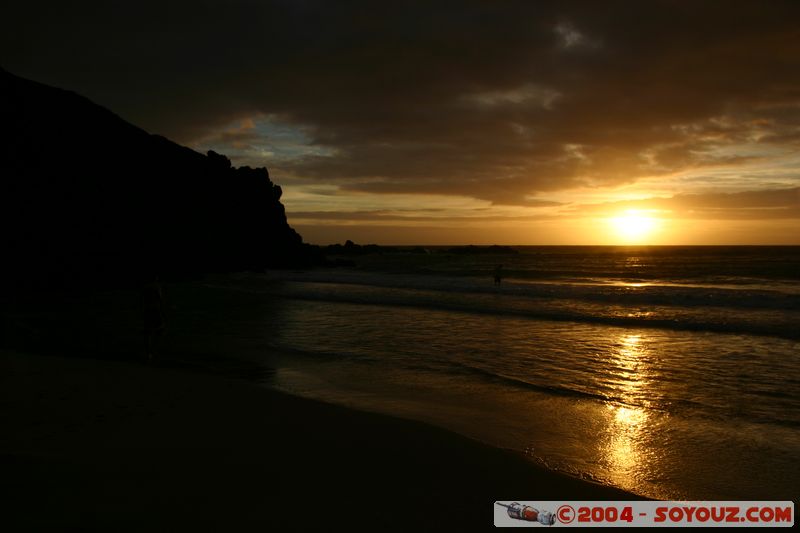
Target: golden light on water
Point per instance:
(623, 449)
(629, 356)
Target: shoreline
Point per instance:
(126, 446)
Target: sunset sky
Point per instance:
(461, 122)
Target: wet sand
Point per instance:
(101, 445)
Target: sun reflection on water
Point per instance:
(629, 355)
(623, 450)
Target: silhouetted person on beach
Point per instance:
(153, 307)
(498, 274)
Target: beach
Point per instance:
(410, 398)
(103, 445)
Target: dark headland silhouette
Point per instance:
(87, 198)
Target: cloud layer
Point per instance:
(511, 103)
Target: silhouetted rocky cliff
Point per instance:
(86, 196)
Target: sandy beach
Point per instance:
(126, 446)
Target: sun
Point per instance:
(633, 226)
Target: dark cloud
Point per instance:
(502, 101)
(411, 216)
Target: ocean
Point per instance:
(672, 372)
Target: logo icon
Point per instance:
(529, 514)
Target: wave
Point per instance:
(606, 291)
(488, 375)
(687, 408)
(710, 309)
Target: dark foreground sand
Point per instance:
(123, 446)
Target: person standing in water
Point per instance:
(498, 274)
(153, 307)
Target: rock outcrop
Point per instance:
(87, 197)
